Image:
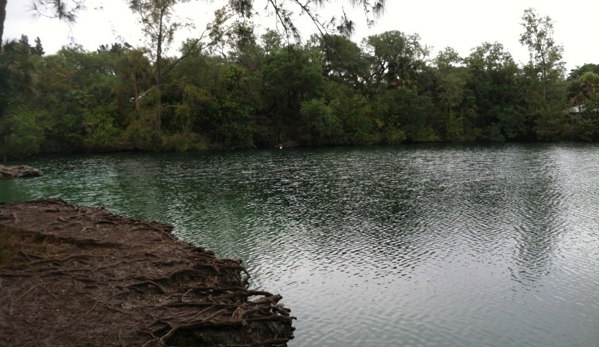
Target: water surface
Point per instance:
(385, 246)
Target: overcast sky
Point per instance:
(461, 24)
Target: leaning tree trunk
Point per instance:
(159, 43)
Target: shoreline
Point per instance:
(81, 276)
(18, 171)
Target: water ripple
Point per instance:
(409, 246)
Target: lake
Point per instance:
(416, 245)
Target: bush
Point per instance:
(20, 134)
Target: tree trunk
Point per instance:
(159, 69)
(136, 87)
(2, 18)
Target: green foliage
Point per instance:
(20, 133)
(101, 134)
(545, 54)
(494, 82)
(322, 126)
(512, 122)
(17, 74)
(290, 77)
(181, 142)
(455, 128)
(404, 114)
(241, 92)
(583, 126)
(141, 133)
(342, 60)
(395, 58)
(550, 124)
(546, 93)
(355, 113)
(579, 71)
(584, 88)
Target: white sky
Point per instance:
(461, 24)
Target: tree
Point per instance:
(79, 99)
(583, 84)
(38, 49)
(2, 18)
(291, 76)
(545, 54)
(65, 10)
(133, 66)
(581, 70)
(583, 95)
(395, 58)
(321, 124)
(159, 24)
(450, 92)
(493, 82)
(283, 10)
(546, 97)
(342, 60)
(354, 111)
(20, 133)
(16, 72)
(397, 86)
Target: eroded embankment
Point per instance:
(81, 276)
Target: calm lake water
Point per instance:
(385, 246)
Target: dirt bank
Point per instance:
(81, 276)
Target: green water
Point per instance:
(385, 246)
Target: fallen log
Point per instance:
(82, 276)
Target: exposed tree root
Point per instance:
(80, 276)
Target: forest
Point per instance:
(232, 88)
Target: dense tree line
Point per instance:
(232, 89)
